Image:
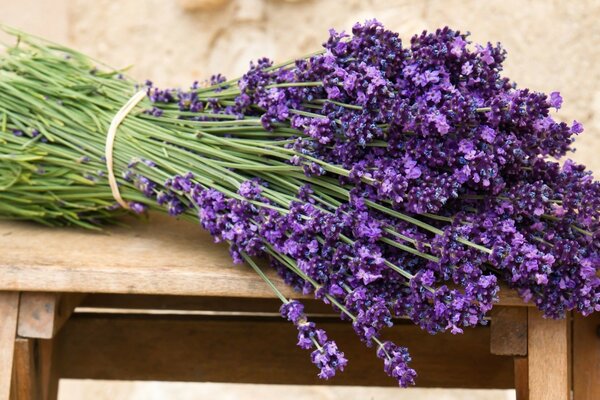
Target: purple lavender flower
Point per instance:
(577, 128)
(146, 186)
(555, 100)
(430, 127)
(137, 208)
(292, 311)
(395, 363)
(326, 355)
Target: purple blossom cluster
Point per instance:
(339, 254)
(326, 355)
(450, 121)
(395, 362)
(441, 189)
(452, 127)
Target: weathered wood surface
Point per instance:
(9, 311)
(24, 376)
(262, 350)
(163, 256)
(41, 315)
(586, 357)
(521, 378)
(508, 331)
(548, 356)
(34, 377)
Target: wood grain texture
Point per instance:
(34, 377)
(47, 371)
(521, 378)
(9, 311)
(163, 256)
(548, 355)
(586, 357)
(41, 315)
(263, 350)
(24, 379)
(509, 331)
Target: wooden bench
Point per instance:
(159, 300)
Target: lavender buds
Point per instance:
(390, 180)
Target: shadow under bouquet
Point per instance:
(390, 180)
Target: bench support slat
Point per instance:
(262, 350)
(548, 355)
(9, 312)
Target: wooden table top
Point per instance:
(156, 256)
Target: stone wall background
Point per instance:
(552, 45)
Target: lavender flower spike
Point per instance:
(395, 363)
(326, 355)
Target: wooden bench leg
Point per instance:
(508, 337)
(41, 316)
(9, 313)
(24, 371)
(34, 376)
(586, 357)
(521, 378)
(548, 357)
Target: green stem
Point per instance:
(260, 273)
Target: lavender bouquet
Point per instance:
(389, 180)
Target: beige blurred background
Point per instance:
(552, 45)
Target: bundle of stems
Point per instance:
(342, 167)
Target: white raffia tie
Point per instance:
(110, 141)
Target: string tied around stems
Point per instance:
(110, 141)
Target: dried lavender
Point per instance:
(391, 181)
(326, 355)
